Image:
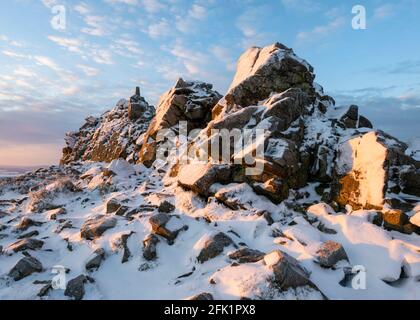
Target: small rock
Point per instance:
(149, 250)
(96, 260)
(26, 223)
(76, 288)
(111, 206)
(287, 271)
(95, 227)
(26, 244)
(25, 267)
(330, 253)
(214, 246)
(29, 234)
(159, 226)
(53, 214)
(202, 296)
(395, 220)
(166, 207)
(246, 255)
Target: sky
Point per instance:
(55, 74)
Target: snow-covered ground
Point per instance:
(389, 261)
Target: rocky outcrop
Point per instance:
(113, 135)
(187, 101)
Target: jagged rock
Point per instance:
(166, 207)
(121, 243)
(200, 177)
(26, 223)
(409, 180)
(53, 214)
(114, 206)
(330, 253)
(96, 226)
(96, 260)
(159, 223)
(29, 234)
(274, 189)
(214, 246)
(187, 101)
(287, 271)
(112, 136)
(262, 71)
(25, 267)
(137, 106)
(350, 118)
(246, 255)
(25, 244)
(149, 244)
(395, 219)
(76, 287)
(202, 296)
(364, 123)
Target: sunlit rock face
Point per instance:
(363, 169)
(361, 172)
(111, 136)
(188, 101)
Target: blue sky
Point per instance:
(50, 80)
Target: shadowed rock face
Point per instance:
(111, 136)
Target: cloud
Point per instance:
(13, 54)
(159, 29)
(197, 12)
(96, 26)
(396, 114)
(320, 32)
(224, 55)
(88, 71)
(384, 11)
(152, 6)
(301, 5)
(47, 62)
(24, 72)
(71, 44)
(127, 2)
(82, 8)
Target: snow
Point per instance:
(416, 218)
(365, 156)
